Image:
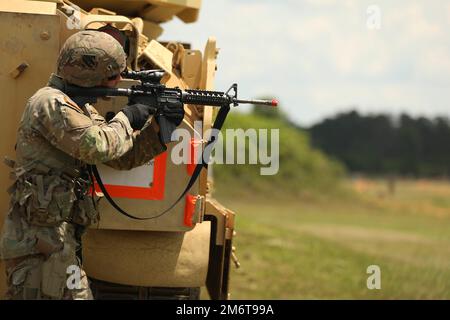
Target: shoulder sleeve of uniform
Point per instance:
(146, 146)
(72, 115)
(53, 113)
(65, 125)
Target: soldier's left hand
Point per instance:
(138, 114)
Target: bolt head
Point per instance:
(45, 35)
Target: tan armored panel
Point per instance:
(153, 259)
(151, 30)
(153, 10)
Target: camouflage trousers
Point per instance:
(41, 261)
(27, 281)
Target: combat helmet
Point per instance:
(89, 57)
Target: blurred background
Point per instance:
(364, 88)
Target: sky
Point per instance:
(321, 57)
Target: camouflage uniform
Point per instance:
(51, 202)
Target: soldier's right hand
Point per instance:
(138, 114)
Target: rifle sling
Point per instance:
(218, 123)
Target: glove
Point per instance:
(170, 115)
(173, 111)
(138, 114)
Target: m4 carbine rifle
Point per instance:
(150, 86)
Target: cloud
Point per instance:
(319, 57)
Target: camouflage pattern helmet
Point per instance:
(89, 57)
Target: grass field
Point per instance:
(319, 247)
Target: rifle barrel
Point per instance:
(272, 102)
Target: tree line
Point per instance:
(382, 144)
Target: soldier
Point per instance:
(58, 137)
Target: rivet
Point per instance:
(45, 35)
